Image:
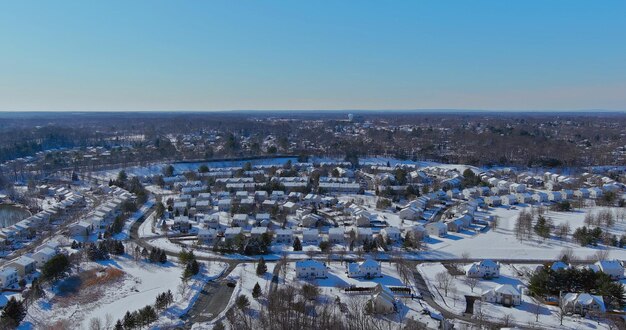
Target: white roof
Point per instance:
(309, 263)
(507, 289)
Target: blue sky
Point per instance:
(221, 55)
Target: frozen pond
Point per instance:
(9, 215)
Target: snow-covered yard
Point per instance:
(126, 285)
(529, 313)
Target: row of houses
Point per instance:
(25, 265)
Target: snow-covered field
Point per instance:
(524, 315)
(137, 287)
(501, 243)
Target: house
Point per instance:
(382, 301)
(517, 188)
(224, 204)
(483, 269)
(417, 232)
(283, 236)
(81, 228)
(436, 229)
(540, 197)
(391, 233)
(336, 235)
(232, 232)
(258, 231)
(310, 235)
(613, 268)
(595, 193)
(523, 198)
(364, 234)
(260, 195)
(567, 194)
(290, 207)
(8, 277)
(182, 224)
(409, 213)
(509, 199)
(42, 256)
(455, 225)
(368, 268)
(207, 235)
(24, 265)
(239, 220)
(582, 303)
(310, 220)
(493, 200)
(559, 265)
(454, 193)
(269, 204)
(262, 219)
(555, 196)
(504, 294)
(582, 193)
(311, 269)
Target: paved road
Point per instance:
(213, 299)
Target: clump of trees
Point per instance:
(192, 267)
(102, 249)
(585, 236)
(139, 318)
(546, 281)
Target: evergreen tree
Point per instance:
(297, 245)
(162, 257)
(542, 229)
(261, 267)
(13, 313)
(118, 325)
(256, 291)
(55, 267)
(129, 320)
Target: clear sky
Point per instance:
(264, 54)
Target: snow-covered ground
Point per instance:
(137, 287)
(522, 315)
(501, 243)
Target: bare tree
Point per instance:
(471, 282)
(508, 320)
(567, 255)
(601, 255)
(444, 281)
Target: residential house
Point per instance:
(504, 294)
(81, 228)
(368, 268)
(256, 232)
(283, 236)
(613, 268)
(232, 232)
(310, 235)
(207, 235)
(311, 269)
(8, 277)
(382, 301)
(43, 255)
(391, 234)
(483, 269)
(582, 303)
(336, 235)
(436, 229)
(24, 265)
